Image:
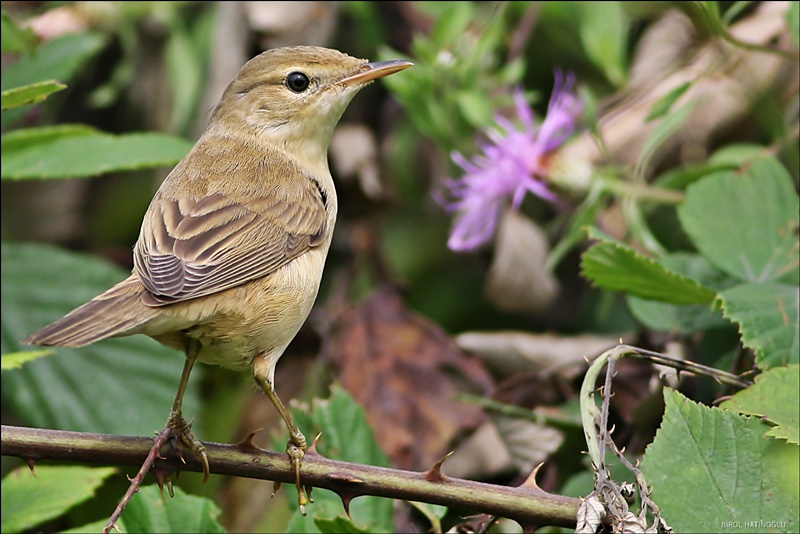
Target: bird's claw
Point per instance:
(183, 431)
(296, 454)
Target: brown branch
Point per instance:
(524, 504)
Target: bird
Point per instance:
(232, 247)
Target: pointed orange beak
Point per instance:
(376, 69)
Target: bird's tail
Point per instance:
(116, 312)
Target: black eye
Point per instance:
(297, 82)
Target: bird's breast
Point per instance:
(258, 317)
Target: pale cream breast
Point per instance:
(277, 305)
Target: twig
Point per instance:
(136, 481)
(608, 500)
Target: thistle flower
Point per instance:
(512, 163)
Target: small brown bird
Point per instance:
(231, 250)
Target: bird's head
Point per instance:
(295, 96)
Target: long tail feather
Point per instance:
(116, 312)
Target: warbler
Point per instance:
(232, 247)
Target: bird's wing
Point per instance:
(194, 247)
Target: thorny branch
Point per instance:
(526, 504)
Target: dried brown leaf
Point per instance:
(406, 372)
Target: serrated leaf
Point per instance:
(617, 267)
(120, 386)
(767, 315)
(17, 359)
(30, 94)
(346, 436)
(775, 395)
(686, 318)
(85, 156)
(746, 222)
(711, 470)
(149, 511)
(675, 318)
(664, 104)
(28, 500)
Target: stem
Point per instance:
(642, 191)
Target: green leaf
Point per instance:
(185, 75)
(711, 470)
(149, 511)
(664, 104)
(746, 222)
(451, 23)
(581, 217)
(687, 318)
(775, 396)
(29, 500)
(434, 513)
(59, 58)
(30, 94)
(15, 40)
(665, 129)
(120, 386)
(31, 137)
(676, 319)
(793, 21)
(612, 265)
(346, 436)
(337, 525)
(85, 156)
(738, 155)
(678, 178)
(17, 359)
(474, 107)
(604, 32)
(767, 315)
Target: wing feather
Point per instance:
(193, 247)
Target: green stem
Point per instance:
(641, 191)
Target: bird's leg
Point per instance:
(176, 425)
(263, 371)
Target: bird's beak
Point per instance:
(376, 69)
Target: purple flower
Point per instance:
(513, 162)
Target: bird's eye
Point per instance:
(297, 82)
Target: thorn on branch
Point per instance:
(162, 477)
(434, 474)
(246, 444)
(530, 482)
(312, 449)
(346, 498)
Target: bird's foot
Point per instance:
(179, 430)
(296, 449)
